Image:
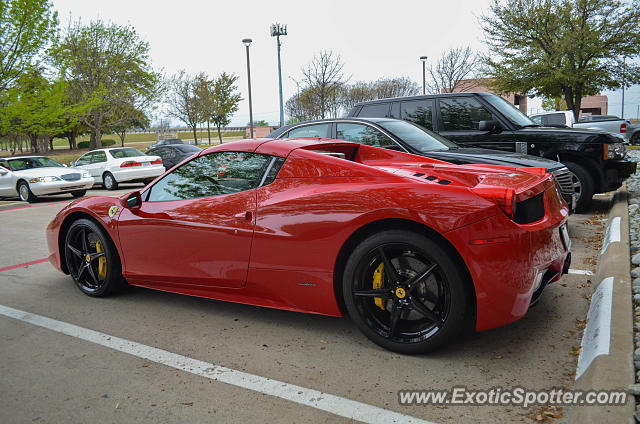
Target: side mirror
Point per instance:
(72, 163)
(65, 165)
(489, 126)
(132, 201)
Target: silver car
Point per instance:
(28, 177)
(113, 166)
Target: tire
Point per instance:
(25, 192)
(427, 312)
(109, 182)
(635, 139)
(85, 245)
(78, 193)
(583, 185)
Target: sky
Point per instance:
(375, 39)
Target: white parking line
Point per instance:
(336, 405)
(580, 272)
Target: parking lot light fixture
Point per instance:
(424, 73)
(247, 43)
(276, 31)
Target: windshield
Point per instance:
(510, 111)
(127, 152)
(417, 137)
(30, 163)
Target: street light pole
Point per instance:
(624, 82)
(424, 73)
(247, 43)
(276, 31)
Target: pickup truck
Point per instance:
(597, 159)
(565, 118)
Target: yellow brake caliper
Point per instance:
(378, 276)
(102, 261)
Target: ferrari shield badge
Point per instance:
(112, 211)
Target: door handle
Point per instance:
(247, 216)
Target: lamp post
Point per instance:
(276, 31)
(624, 82)
(247, 43)
(424, 73)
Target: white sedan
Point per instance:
(110, 167)
(31, 176)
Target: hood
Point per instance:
(470, 155)
(573, 134)
(48, 171)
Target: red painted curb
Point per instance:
(39, 261)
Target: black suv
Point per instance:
(597, 159)
(399, 135)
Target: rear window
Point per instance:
(127, 152)
(187, 148)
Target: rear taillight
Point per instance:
(503, 197)
(129, 164)
(157, 162)
(623, 128)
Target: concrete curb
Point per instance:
(606, 355)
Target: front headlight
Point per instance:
(44, 179)
(615, 151)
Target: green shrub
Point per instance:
(106, 142)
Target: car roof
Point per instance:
(425, 96)
(24, 157)
(285, 128)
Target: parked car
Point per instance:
(597, 159)
(167, 142)
(405, 136)
(173, 154)
(565, 119)
(414, 248)
(113, 166)
(28, 177)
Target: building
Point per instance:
(259, 132)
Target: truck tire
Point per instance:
(582, 185)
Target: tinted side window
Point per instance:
(99, 157)
(463, 114)
(363, 134)
(419, 112)
(84, 160)
(214, 174)
(318, 130)
(378, 110)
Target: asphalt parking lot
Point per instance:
(47, 376)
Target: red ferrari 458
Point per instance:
(413, 249)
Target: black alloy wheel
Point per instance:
(92, 259)
(404, 292)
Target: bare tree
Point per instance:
(454, 66)
(395, 87)
(323, 76)
(183, 101)
(357, 92)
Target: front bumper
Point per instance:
(508, 270)
(616, 171)
(57, 187)
(138, 173)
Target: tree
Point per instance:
(26, 28)
(324, 77)
(226, 101)
(137, 119)
(183, 101)
(107, 67)
(395, 87)
(561, 48)
(204, 91)
(34, 109)
(455, 65)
